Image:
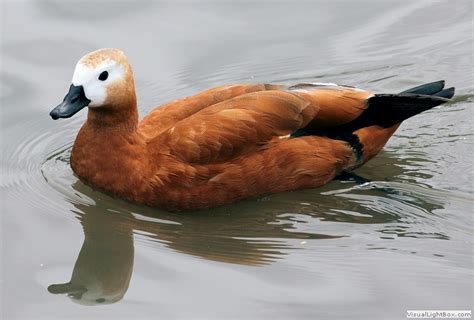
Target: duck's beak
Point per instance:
(74, 101)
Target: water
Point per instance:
(348, 250)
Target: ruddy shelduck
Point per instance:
(227, 143)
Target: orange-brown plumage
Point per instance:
(224, 144)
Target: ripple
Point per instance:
(415, 209)
(22, 170)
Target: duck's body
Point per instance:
(233, 142)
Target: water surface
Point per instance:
(402, 239)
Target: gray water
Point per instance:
(348, 250)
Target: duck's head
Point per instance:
(102, 80)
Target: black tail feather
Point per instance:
(432, 89)
(427, 88)
(388, 109)
(446, 93)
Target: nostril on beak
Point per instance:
(73, 100)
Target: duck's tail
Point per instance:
(384, 114)
(388, 109)
(370, 131)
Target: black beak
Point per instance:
(74, 101)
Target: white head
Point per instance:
(102, 78)
(95, 79)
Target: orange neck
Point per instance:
(122, 117)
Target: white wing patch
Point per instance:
(310, 86)
(324, 84)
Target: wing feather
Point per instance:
(165, 116)
(338, 104)
(236, 126)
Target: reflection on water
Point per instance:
(104, 266)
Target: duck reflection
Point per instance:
(252, 232)
(104, 266)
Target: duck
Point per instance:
(227, 143)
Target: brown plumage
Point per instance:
(224, 144)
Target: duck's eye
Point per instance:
(103, 76)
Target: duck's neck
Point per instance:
(118, 118)
(107, 150)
